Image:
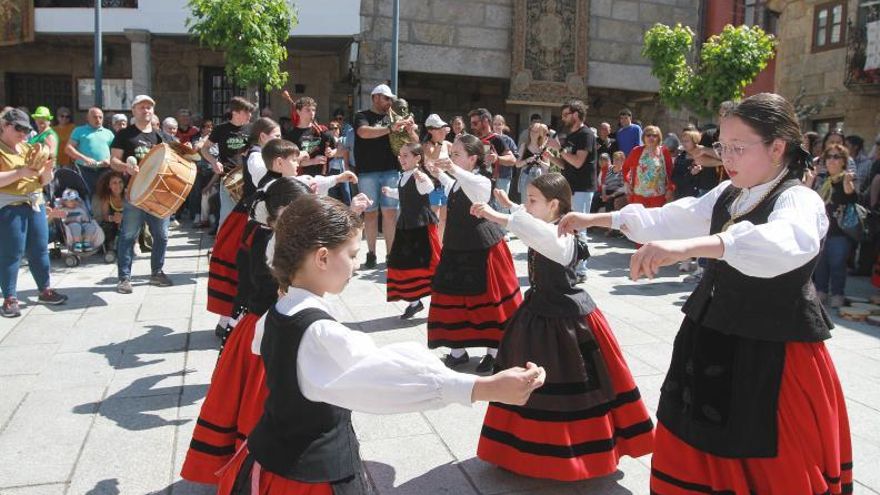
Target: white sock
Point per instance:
(457, 353)
(224, 320)
(491, 352)
(414, 303)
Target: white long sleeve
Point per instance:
(447, 182)
(477, 188)
(256, 167)
(324, 182)
(790, 238)
(423, 187)
(541, 236)
(344, 367)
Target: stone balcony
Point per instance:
(856, 78)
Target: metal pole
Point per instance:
(99, 56)
(395, 38)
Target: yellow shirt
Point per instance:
(9, 160)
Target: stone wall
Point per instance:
(821, 74)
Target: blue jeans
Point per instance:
(226, 206)
(580, 203)
(371, 183)
(133, 220)
(342, 192)
(23, 231)
(502, 183)
(831, 269)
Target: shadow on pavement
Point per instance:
(157, 340)
(390, 323)
(129, 407)
(105, 487)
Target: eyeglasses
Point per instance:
(834, 157)
(63, 116)
(722, 149)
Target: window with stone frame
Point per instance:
(829, 26)
(824, 126)
(756, 13)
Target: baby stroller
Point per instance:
(70, 180)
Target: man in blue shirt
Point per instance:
(89, 146)
(629, 135)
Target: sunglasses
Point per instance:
(19, 127)
(63, 116)
(834, 157)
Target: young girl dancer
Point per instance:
(234, 401)
(751, 402)
(318, 370)
(475, 289)
(222, 271)
(589, 413)
(416, 250)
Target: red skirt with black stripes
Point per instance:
(553, 436)
(222, 271)
(477, 321)
(232, 407)
(814, 451)
(414, 283)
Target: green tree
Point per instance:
(727, 63)
(252, 34)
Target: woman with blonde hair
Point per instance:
(648, 170)
(533, 160)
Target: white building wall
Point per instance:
(168, 17)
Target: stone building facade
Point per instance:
(831, 73)
(459, 54)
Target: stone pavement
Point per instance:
(100, 396)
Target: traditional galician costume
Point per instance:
(475, 289)
(751, 402)
(317, 372)
(416, 250)
(589, 413)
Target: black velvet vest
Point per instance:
(415, 208)
(779, 309)
(465, 232)
(554, 290)
(296, 438)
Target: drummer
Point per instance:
(135, 141)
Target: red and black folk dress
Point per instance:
(416, 250)
(589, 413)
(751, 402)
(222, 270)
(234, 402)
(475, 290)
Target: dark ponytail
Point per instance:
(473, 146)
(270, 200)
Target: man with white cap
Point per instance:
(129, 147)
(377, 167)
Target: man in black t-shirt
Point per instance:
(577, 157)
(377, 167)
(231, 138)
(127, 150)
(310, 137)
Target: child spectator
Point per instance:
(110, 188)
(78, 221)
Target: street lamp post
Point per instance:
(395, 39)
(99, 69)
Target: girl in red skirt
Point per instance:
(416, 250)
(234, 401)
(475, 289)
(751, 402)
(589, 413)
(222, 270)
(318, 370)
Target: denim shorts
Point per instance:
(371, 184)
(437, 197)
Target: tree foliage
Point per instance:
(727, 63)
(252, 34)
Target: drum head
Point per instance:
(150, 166)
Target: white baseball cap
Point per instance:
(383, 90)
(141, 99)
(435, 122)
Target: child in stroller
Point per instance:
(80, 230)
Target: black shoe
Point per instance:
(371, 260)
(411, 310)
(220, 331)
(452, 362)
(486, 364)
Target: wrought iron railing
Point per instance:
(856, 77)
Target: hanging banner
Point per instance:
(16, 22)
(872, 46)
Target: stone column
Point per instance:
(141, 67)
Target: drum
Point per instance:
(163, 182)
(234, 183)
